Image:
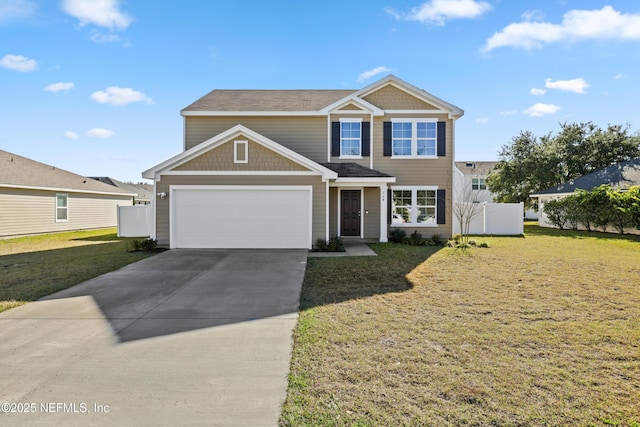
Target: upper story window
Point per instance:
(62, 208)
(350, 138)
(414, 138)
(478, 184)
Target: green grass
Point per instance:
(536, 331)
(35, 266)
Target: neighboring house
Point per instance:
(142, 193)
(471, 177)
(37, 198)
(282, 168)
(620, 176)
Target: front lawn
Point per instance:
(35, 266)
(542, 330)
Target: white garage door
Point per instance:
(240, 216)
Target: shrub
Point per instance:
(397, 235)
(436, 239)
(416, 239)
(145, 245)
(334, 244)
(556, 214)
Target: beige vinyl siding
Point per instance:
(25, 212)
(390, 97)
(318, 203)
(304, 135)
(418, 172)
(371, 213)
(365, 118)
(259, 158)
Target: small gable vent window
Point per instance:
(240, 151)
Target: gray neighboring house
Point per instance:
(142, 193)
(36, 198)
(620, 176)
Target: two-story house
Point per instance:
(282, 168)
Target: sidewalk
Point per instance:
(352, 247)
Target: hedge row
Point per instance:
(597, 208)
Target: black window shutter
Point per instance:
(389, 206)
(441, 202)
(366, 140)
(442, 139)
(335, 138)
(386, 138)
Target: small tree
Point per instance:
(466, 208)
(556, 213)
(622, 209)
(634, 195)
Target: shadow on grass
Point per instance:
(335, 280)
(102, 238)
(536, 230)
(27, 276)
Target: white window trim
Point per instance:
(237, 149)
(414, 204)
(414, 137)
(350, 120)
(479, 180)
(66, 196)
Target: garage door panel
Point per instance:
(241, 217)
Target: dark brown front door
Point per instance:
(350, 215)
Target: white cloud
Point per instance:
(438, 11)
(57, 87)
(482, 120)
(18, 63)
(373, 72)
(537, 92)
(533, 15)
(70, 135)
(508, 113)
(574, 85)
(115, 95)
(100, 133)
(598, 24)
(619, 76)
(16, 9)
(99, 37)
(103, 13)
(540, 109)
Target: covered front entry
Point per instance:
(351, 210)
(238, 216)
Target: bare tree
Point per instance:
(466, 207)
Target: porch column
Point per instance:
(383, 212)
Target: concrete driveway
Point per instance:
(187, 337)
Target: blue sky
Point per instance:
(96, 86)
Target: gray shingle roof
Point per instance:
(23, 172)
(354, 170)
(267, 100)
(620, 176)
(142, 194)
(475, 168)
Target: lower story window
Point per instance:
(62, 208)
(414, 206)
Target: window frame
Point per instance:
(479, 185)
(237, 148)
(414, 208)
(350, 121)
(65, 207)
(414, 138)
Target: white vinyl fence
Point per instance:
(134, 221)
(505, 219)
